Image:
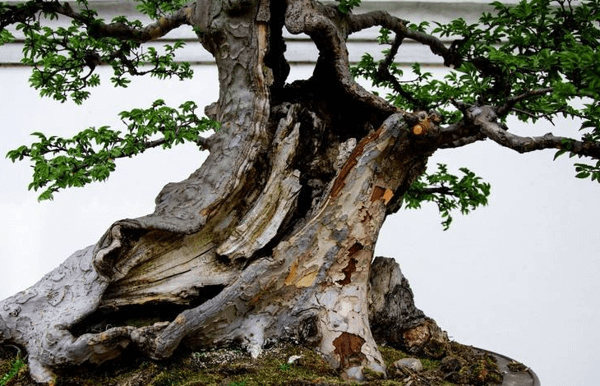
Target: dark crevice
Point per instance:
(327, 119)
(345, 117)
(142, 315)
(348, 271)
(312, 161)
(275, 59)
(326, 122)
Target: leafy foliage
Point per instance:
(90, 155)
(449, 192)
(345, 6)
(536, 44)
(64, 59)
(588, 171)
(158, 8)
(535, 60)
(6, 37)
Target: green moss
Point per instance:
(232, 367)
(371, 375)
(430, 364)
(14, 368)
(5, 366)
(391, 355)
(272, 368)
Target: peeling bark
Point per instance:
(272, 238)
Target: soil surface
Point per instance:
(289, 365)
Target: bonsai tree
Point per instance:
(272, 238)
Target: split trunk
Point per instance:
(272, 238)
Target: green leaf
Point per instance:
(60, 163)
(345, 6)
(583, 174)
(449, 192)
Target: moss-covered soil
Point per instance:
(234, 367)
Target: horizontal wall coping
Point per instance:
(299, 47)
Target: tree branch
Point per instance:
(384, 19)
(152, 31)
(318, 22)
(96, 28)
(201, 142)
(502, 111)
(458, 135)
(484, 118)
(384, 74)
(438, 190)
(463, 141)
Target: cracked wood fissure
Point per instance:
(272, 238)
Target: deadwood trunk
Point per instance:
(271, 239)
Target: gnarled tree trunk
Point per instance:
(271, 239)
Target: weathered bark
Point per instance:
(394, 318)
(271, 238)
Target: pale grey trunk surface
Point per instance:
(272, 238)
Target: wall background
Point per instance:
(519, 277)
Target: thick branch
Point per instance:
(318, 22)
(203, 144)
(122, 31)
(20, 13)
(485, 118)
(457, 135)
(464, 141)
(98, 29)
(480, 124)
(384, 19)
(152, 31)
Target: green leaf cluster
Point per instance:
(345, 6)
(158, 8)
(6, 36)
(449, 192)
(511, 51)
(64, 59)
(588, 171)
(537, 59)
(90, 155)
